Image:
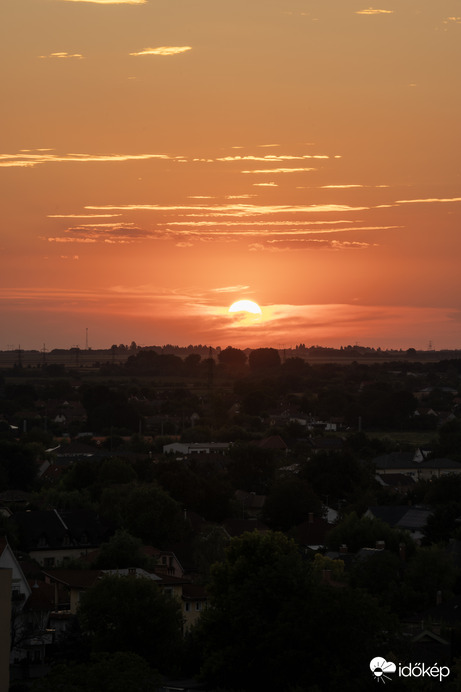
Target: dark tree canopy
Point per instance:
(272, 627)
(116, 672)
(145, 510)
(233, 359)
(264, 359)
(131, 614)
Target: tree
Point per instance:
(271, 626)
(132, 614)
(264, 360)
(340, 476)
(145, 510)
(233, 359)
(17, 465)
(290, 501)
(251, 468)
(365, 533)
(117, 672)
(121, 551)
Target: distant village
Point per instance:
(225, 519)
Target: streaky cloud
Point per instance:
(272, 157)
(232, 209)
(163, 50)
(28, 159)
(110, 2)
(372, 10)
(280, 170)
(230, 289)
(78, 56)
(429, 200)
(81, 216)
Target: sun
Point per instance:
(246, 306)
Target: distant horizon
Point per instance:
(300, 347)
(301, 158)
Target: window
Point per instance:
(48, 562)
(198, 605)
(187, 606)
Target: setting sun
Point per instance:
(245, 306)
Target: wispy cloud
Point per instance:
(428, 200)
(338, 187)
(230, 289)
(232, 209)
(272, 157)
(29, 159)
(452, 20)
(251, 224)
(265, 184)
(279, 170)
(295, 244)
(111, 2)
(109, 233)
(78, 56)
(163, 50)
(81, 216)
(372, 10)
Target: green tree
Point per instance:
(233, 360)
(341, 477)
(116, 672)
(365, 533)
(251, 468)
(17, 465)
(132, 614)
(428, 572)
(263, 360)
(145, 510)
(121, 551)
(289, 502)
(271, 626)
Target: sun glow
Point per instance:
(245, 306)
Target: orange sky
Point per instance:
(161, 159)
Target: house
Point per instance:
(20, 589)
(274, 442)
(74, 451)
(326, 444)
(68, 585)
(236, 527)
(167, 561)
(5, 619)
(187, 448)
(29, 609)
(54, 537)
(411, 519)
(252, 505)
(312, 533)
(415, 465)
(194, 601)
(396, 482)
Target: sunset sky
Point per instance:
(162, 159)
